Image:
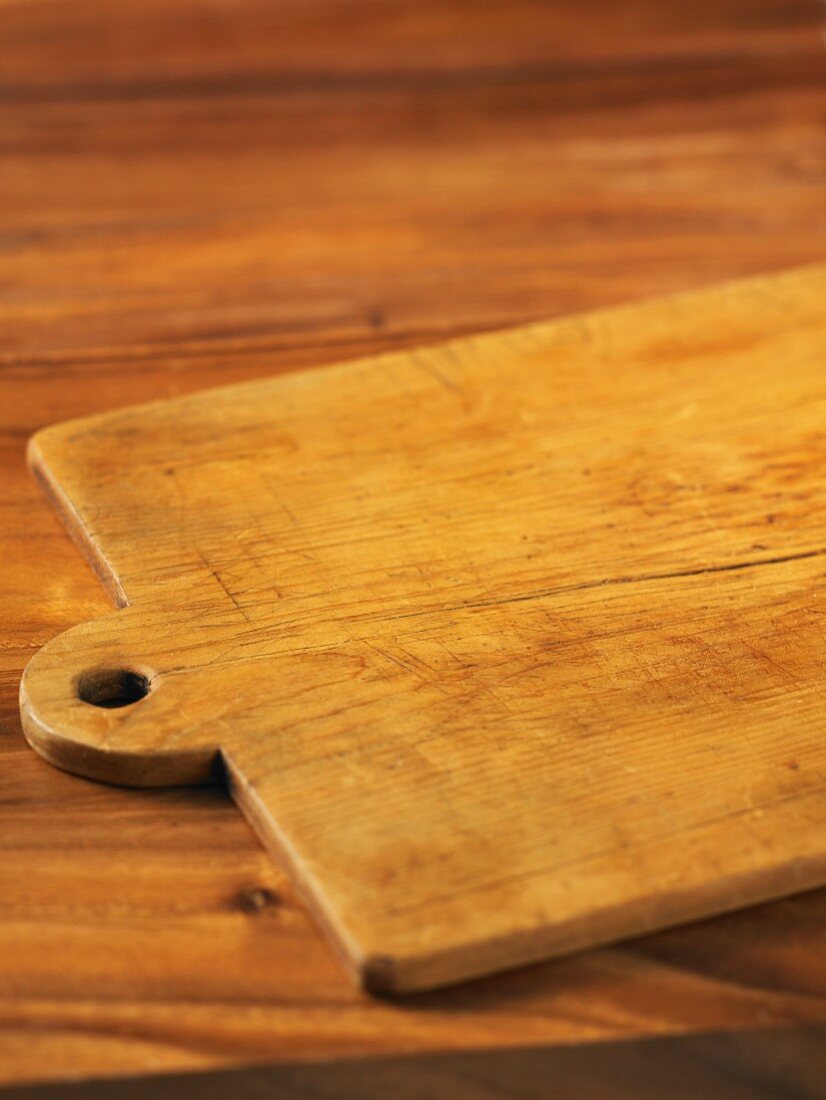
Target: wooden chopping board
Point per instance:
(506, 647)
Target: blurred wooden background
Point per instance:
(199, 191)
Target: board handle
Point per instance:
(96, 703)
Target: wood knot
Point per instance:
(254, 900)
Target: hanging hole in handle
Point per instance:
(112, 687)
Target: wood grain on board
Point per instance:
(508, 646)
(182, 205)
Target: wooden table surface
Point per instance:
(199, 191)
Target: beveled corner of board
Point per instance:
(38, 465)
(381, 976)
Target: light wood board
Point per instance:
(508, 646)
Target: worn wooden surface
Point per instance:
(198, 193)
(509, 646)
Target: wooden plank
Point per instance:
(142, 224)
(514, 201)
(51, 48)
(754, 1065)
(508, 646)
